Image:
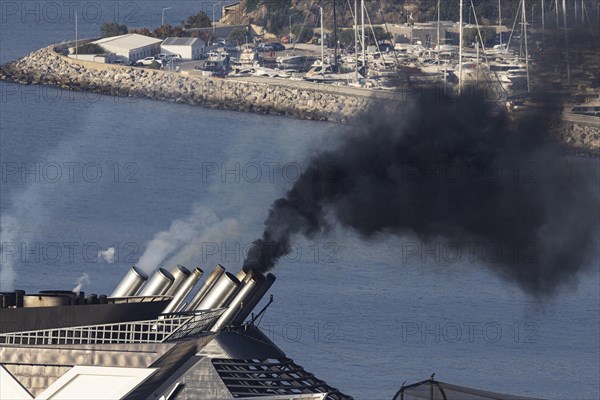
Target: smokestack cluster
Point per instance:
(237, 294)
(458, 170)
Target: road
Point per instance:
(582, 119)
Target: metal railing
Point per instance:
(165, 328)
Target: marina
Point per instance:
(107, 193)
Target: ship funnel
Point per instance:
(221, 293)
(184, 290)
(208, 284)
(131, 283)
(242, 273)
(158, 284)
(180, 273)
(254, 300)
(252, 282)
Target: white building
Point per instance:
(187, 48)
(130, 47)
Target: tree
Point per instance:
(380, 34)
(109, 29)
(142, 31)
(90, 48)
(346, 37)
(199, 20)
(470, 35)
(239, 36)
(206, 37)
(302, 34)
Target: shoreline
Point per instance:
(313, 102)
(298, 99)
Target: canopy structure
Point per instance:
(431, 389)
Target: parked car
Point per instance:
(148, 61)
(262, 47)
(277, 46)
(173, 58)
(387, 47)
(161, 56)
(119, 62)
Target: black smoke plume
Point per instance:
(459, 170)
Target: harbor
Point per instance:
(328, 82)
(431, 216)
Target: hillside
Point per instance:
(278, 15)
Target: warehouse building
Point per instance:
(130, 47)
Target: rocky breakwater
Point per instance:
(581, 138)
(297, 99)
(45, 66)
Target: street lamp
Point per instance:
(162, 21)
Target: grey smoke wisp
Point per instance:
(460, 171)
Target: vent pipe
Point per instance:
(208, 284)
(221, 293)
(184, 290)
(242, 273)
(131, 283)
(180, 273)
(158, 284)
(250, 285)
(254, 300)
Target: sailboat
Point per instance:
(322, 71)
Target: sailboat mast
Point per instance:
(566, 42)
(362, 23)
(335, 38)
(500, 22)
(322, 43)
(524, 23)
(460, 48)
(543, 17)
(437, 47)
(76, 38)
(438, 31)
(443, 71)
(356, 38)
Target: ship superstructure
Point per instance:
(153, 338)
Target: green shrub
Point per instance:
(109, 29)
(90, 48)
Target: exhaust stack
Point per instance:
(184, 290)
(252, 282)
(241, 275)
(131, 283)
(254, 300)
(158, 284)
(181, 274)
(208, 284)
(221, 293)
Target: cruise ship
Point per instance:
(171, 336)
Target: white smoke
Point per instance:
(8, 240)
(107, 255)
(84, 279)
(182, 242)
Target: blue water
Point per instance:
(82, 173)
